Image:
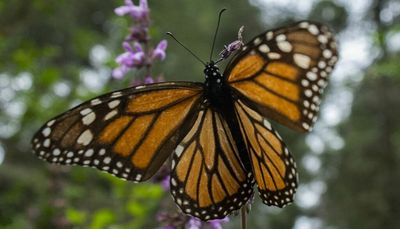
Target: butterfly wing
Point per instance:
(208, 179)
(127, 133)
(282, 73)
(273, 166)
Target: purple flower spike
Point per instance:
(140, 12)
(137, 51)
(159, 51)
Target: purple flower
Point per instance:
(167, 227)
(165, 183)
(159, 51)
(233, 46)
(148, 79)
(194, 223)
(120, 71)
(129, 59)
(140, 12)
(172, 219)
(216, 223)
(139, 33)
(229, 49)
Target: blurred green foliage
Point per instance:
(55, 54)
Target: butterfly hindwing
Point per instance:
(283, 72)
(273, 166)
(127, 133)
(208, 179)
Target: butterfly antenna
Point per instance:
(215, 34)
(171, 35)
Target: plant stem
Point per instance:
(243, 213)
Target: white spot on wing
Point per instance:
(46, 131)
(321, 64)
(327, 53)
(107, 160)
(88, 119)
(102, 152)
(267, 124)
(257, 41)
(274, 55)
(46, 143)
(269, 35)
(85, 138)
(116, 94)
(110, 114)
(304, 24)
(113, 104)
(56, 152)
(311, 76)
(280, 37)
(50, 123)
(313, 29)
(173, 181)
(306, 126)
(179, 149)
(323, 39)
(302, 60)
(264, 48)
(308, 93)
(138, 177)
(86, 111)
(95, 102)
(305, 82)
(89, 153)
(285, 46)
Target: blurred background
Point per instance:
(56, 54)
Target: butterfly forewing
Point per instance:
(208, 179)
(283, 72)
(273, 166)
(127, 133)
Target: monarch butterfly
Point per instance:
(216, 133)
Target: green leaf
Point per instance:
(75, 216)
(102, 218)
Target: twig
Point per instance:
(243, 213)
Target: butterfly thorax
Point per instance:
(216, 90)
